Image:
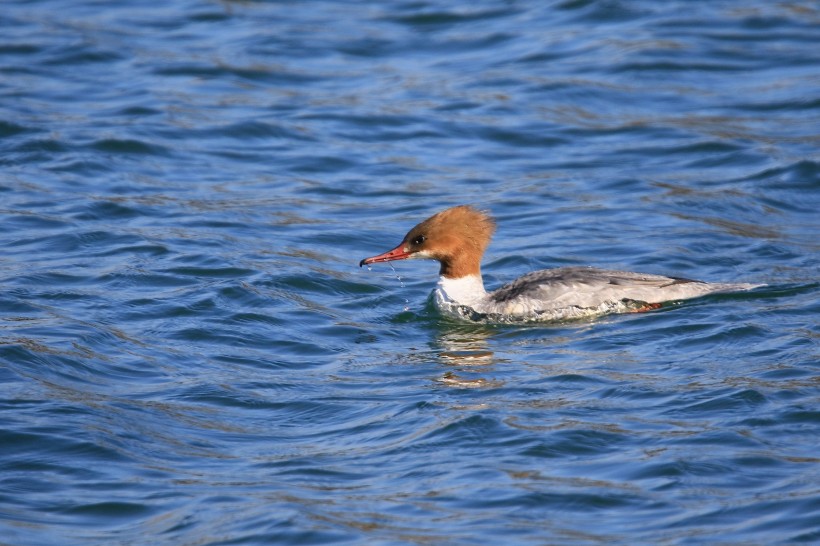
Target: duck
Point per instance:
(458, 237)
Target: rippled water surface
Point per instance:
(189, 354)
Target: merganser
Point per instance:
(457, 238)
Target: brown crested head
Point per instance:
(457, 237)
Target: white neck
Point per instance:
(467, 290)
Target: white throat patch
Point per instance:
(467, 290)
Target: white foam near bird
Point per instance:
(457, 238)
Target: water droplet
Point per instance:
(401, 283)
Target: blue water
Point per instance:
(189, 354)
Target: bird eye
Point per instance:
(418, 240)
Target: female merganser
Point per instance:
(457, 238)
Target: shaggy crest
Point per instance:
(459, 237)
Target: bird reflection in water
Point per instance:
(467, 351)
